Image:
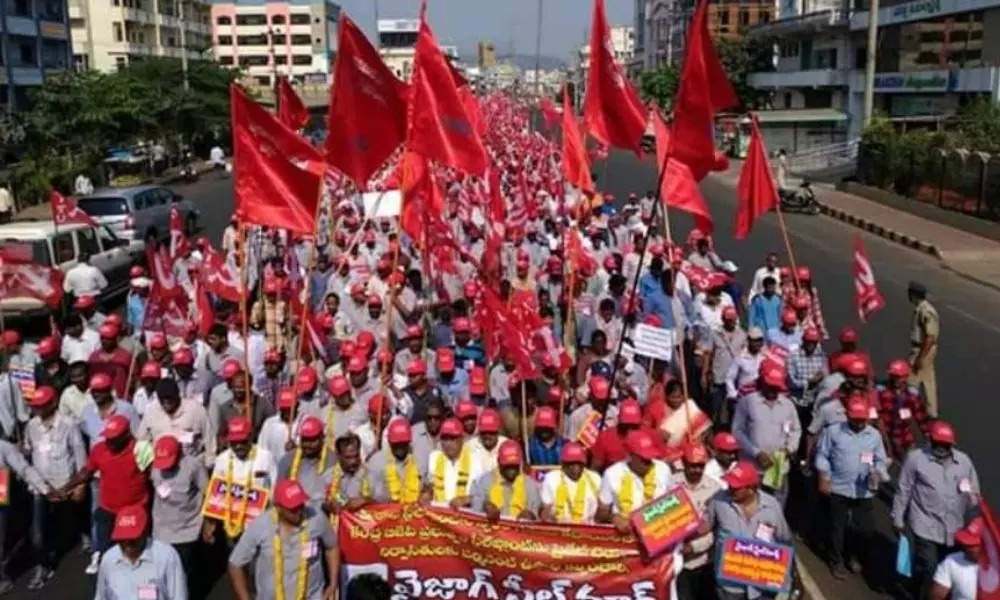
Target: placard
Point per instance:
(379, 205)
(215, 500)
(654, 342)
(664, 522)
(742, 561)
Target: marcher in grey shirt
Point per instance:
(315, 466)
(507, 473)
(179, 483)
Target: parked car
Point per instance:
(60, 247)
(140, 212)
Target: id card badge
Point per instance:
(186, 438)
(872, 413)
(786, 427)
(867, 458)
(905, 414)
(964, 485)
(163, 490)
(764, 532)
(309, 551)
(146, 591)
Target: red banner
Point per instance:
(436, 553)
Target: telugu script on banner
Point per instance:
(754, 563)
(436, 553)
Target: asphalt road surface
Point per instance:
(966, 363)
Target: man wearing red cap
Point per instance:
(766, 425)
(695, 580)
(851, 463)
(399, 476)
(807, 367)
(902, 410)
(787, 336)
(611, 445)
(584, 422)
(848, 340)
(179, 483)
(103, 407)
(765, 307)
(138, 566)
(145, 394)
(311, 462)
(630, 483)
(957, 576)
(243, 465)
(507, 491)
(486, 443)
(413, 348)
(452, 382)
(112, 359)
(271, 314)
(290, 546)
(51, 369)
(545, 444)
(280, 431)
(937, 488)
(452, 470)
(78, 341)
(833, 411)
(726, 454)
(379, 414)
(570, 494)
(359, 374)
(183, 418)
(468, 353)
(719, 349)
(741, 379)
(343, 413)
(229, 399)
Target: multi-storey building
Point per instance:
(397, 44)
(34, 43)
(638, 62)
(487, 54)
(933, 56)
(296, 38)
(107, 34)
(623, 42)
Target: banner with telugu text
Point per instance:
(436, 553)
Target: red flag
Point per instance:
(439, 128)
(679, 188)
(291, 111)
(277, 174)
(704, 90)
(178, 239)
(612, 111)
(205, 312)
(988, 585)
(356, 145)
(549, 112)
(576, 167)
(219, 276)
(866, 294)
(31, 280)
(66, 212)
(756, 190)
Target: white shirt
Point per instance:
(84, 280)
(757, 287)
(486, 458)
(550, 488)
(366, 433)
(73, 401)
(614, 476)
(958, 574)
(451, 474)
(5, 202)
(274, 434)
(74, 349)
(711, 316)
(714, 470)
(83, 186)
(217, 155)
(265, 470)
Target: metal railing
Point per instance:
(824, 157)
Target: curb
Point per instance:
(969, 277)
(879, 230)
(809, 585)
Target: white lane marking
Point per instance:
(809, 585)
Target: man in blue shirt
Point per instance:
(467, 353)
(659, 301)
(135, 304)
(765, 309)
(545, 446)
(139, 566)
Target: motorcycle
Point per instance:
(189, 173)
(801, 199)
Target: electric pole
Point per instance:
(538, 52)
(869, 107)
(184, 56)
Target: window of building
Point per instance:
(224, 40)
(258, 60)
(116, 29)
(788, 100)
(278, 20)
(281, 59)
(54, 54)
(81, 62)
(765, 16)
(251, 20)
(121, 62)
(263, 80)
(826, 59)
(19, 8)
(252, 40)
(51, 10)
(935, 43)
(302, 59)
(744, 17)
(226, 60)
(223, 21)
(278, 38)
(723, 17)
(300, 19)
(301, 39)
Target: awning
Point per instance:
(804, 115)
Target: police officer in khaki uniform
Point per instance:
(924, 345)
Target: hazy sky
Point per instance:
(463, 22)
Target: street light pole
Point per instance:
(182, 26)
(378, 38)
(538, 51)
(870, 63)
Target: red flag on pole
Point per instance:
(576, 167)
(291, 110)
(988, 585)
(549, 112)
(356, 145)
(756, 189)
(678, 187)
(869, 300)
(612, 111)
(66, 212)
(704, 90)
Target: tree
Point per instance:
(978, 126)
(744, 56)
(660, 85)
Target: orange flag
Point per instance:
(612, 111)
(704, 90)
(678, 187)
(576, 168)
(756, 189)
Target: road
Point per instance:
(967, 311)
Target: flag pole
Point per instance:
(243, 254)
(781, 218)
(678, 343)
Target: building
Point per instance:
(623, 43)
(638, 62)
(296, 38)
(35, 40)
(397, 44)
(487, 54)
(933, 57)
(108, 34)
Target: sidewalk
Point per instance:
(971, 256)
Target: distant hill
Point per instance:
(527, 61)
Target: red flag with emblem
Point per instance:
(179, 245)
(66, 212)
(576, 167)
(220, 276)
(503, 334)
(31, 280)
(292, 112)
(866, 295)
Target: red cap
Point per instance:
(555, 396)
(972, 534)
(85, 302)
(545, 418)
(695, 454)
(239, 429)
(416, 367)
(271, 286)
(414, 331)
(158, 342)
(848, 336)
(941, 432)
(348, 349)
(136, 271)
(600, 388)
(804, 274)
(338, 385)
(48, 347)
(470, 289)
(774, 376)
(290, 495)
(573, 453)
(610, 263)
(784, 272)
(384, 356)
(477, 381)
(743, 474)
(451, 427)
(366, 340)
(107, 331)
(358, 289)
(857, 407)
(183, 356)
(100, 383)
(272, 357)
(400, 432)
(378, 404)
(461, 325)
(509, 454)
(465, 409)
(150, 370)
(553, 265)
(115, 427)
(445, 360)
(489, 421)
(113, 319)
(899, 368)
(801, 302)
(374, 300)
(630, 413)
(311, 428)
(231, 368)
(641, 444)
(10, 338)
(810, 334)
(357, 364)
(130, 524)
(326, 322)
(729, 313)
(788, 317)
(307, 381)
(369, 235)
(166, 452)
(856, 367)
(286, 397)
(42, 396)
(725, 442)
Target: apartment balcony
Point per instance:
(808, 24)
(134, 15)
(799, 79)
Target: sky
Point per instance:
(509, 22)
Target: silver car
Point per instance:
(140, 212)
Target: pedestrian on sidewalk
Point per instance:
(924, 345)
